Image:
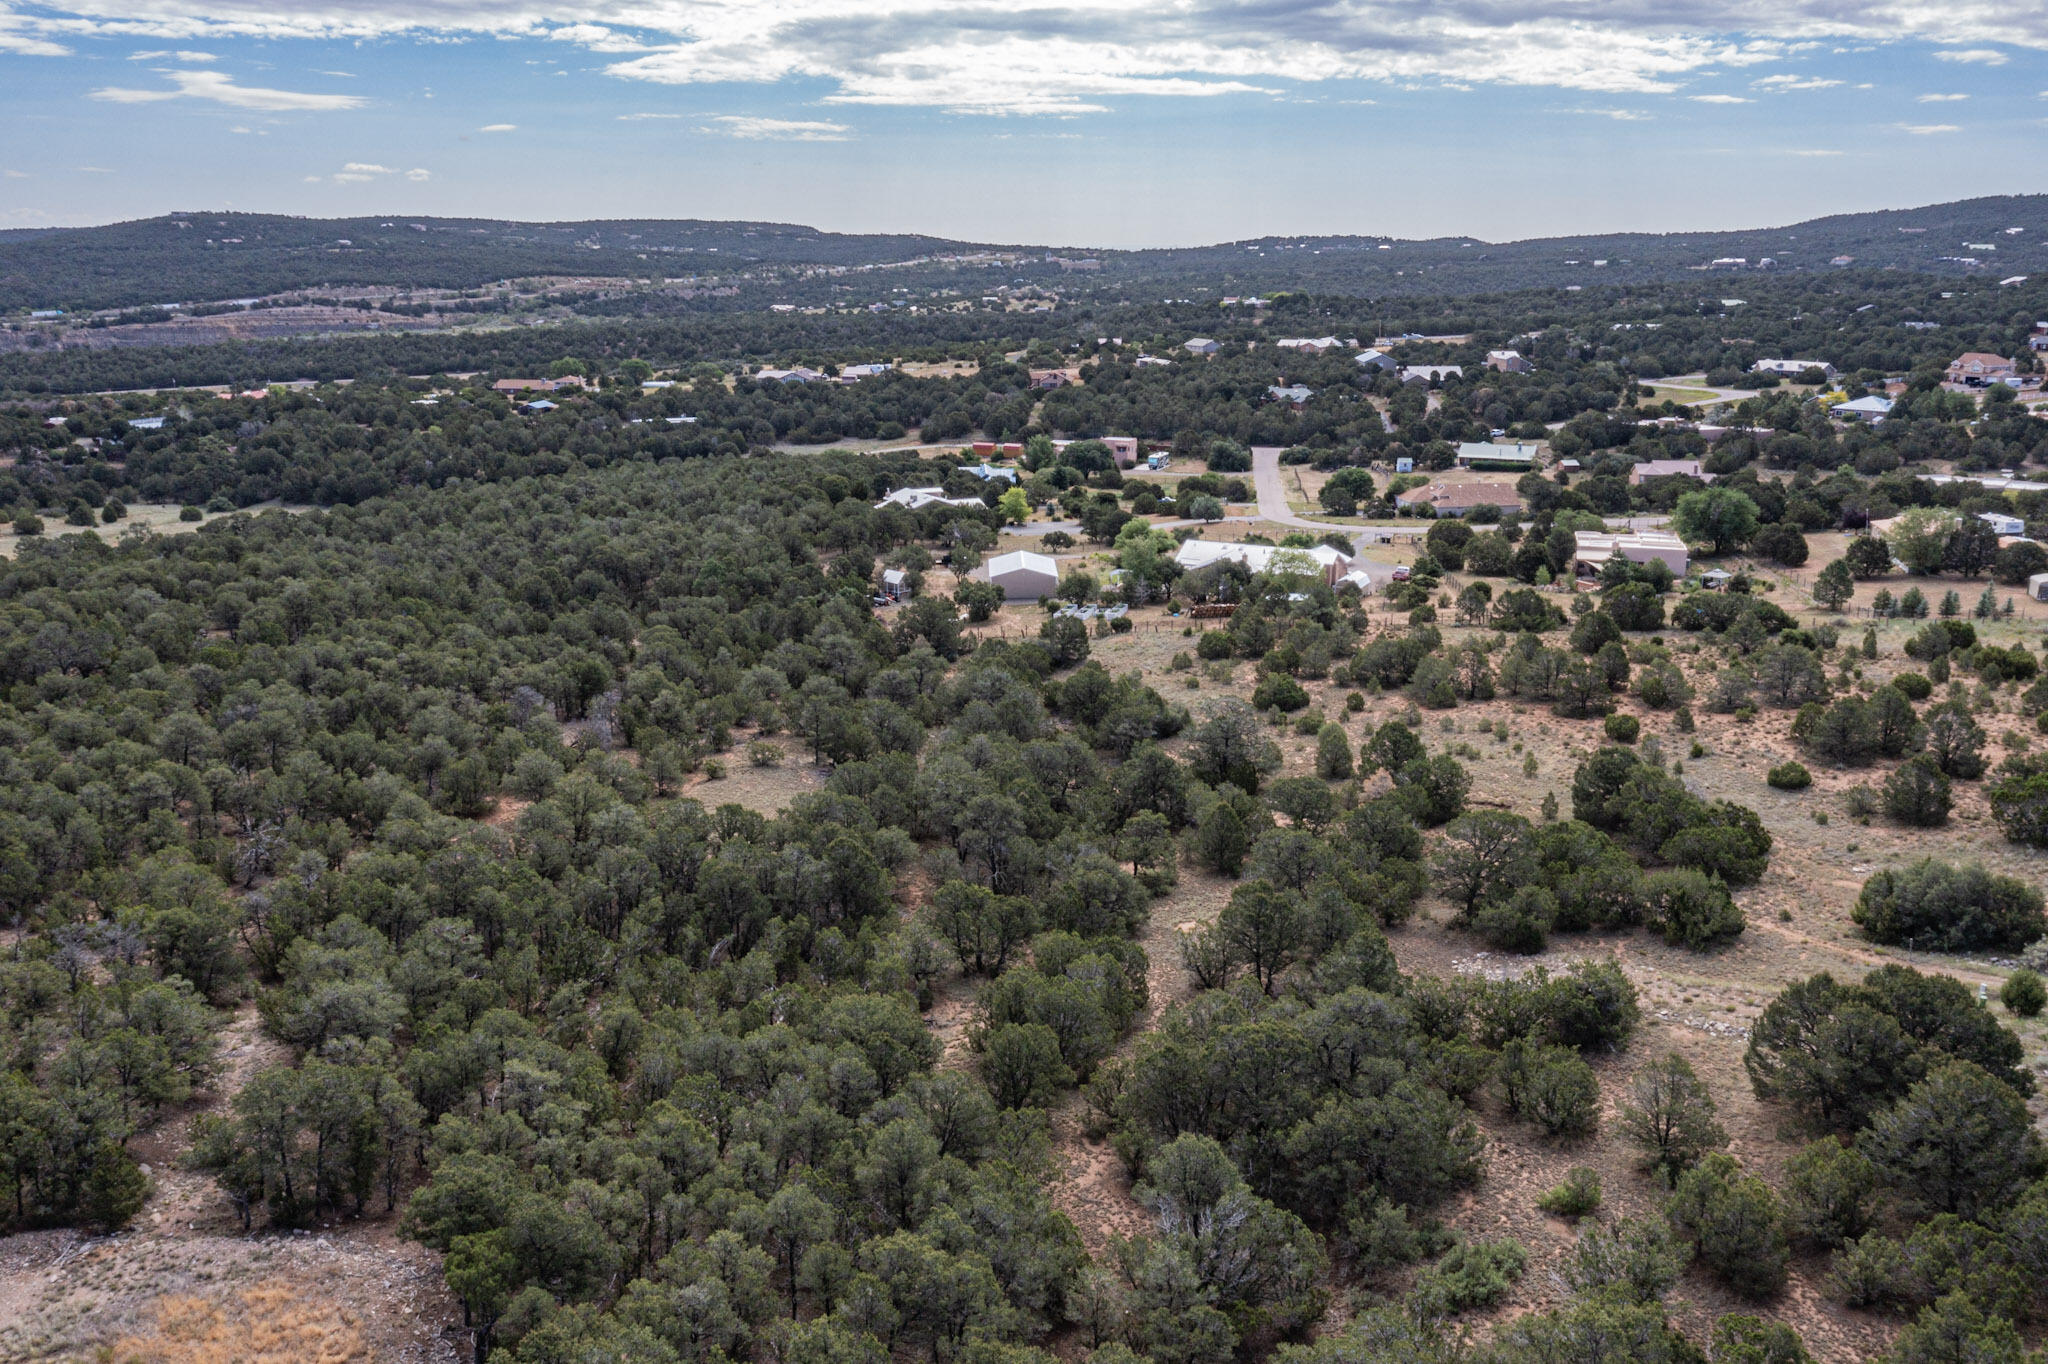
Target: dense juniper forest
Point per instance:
(420, 780)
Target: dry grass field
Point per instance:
(150, 518)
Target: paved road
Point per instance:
(1271, 485)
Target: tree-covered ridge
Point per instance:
(199, 256)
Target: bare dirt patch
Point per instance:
(185, 1283)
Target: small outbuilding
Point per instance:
(2037, 587)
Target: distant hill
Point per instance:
(197, 257)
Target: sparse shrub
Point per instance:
(1473, 1274)
(1828, 1187)
(190, 513)
(1278, 691)
(1552, 1087)
(1734, 1223)
(1915, 686)
(1939, 907)
(1623, 729)
(1918, 793)
(1790, 776)
(1576, 1197)
(1692, 908)
(2024, 994)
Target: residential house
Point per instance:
(1332, 564)
(1508, 361)
(853, 374)
(1594, 548)
(1145, 360)
(1478, 454)
(2003, 524)
(917, 499)
(538, 405)
(1978, 368)
(1295, 395)
(1871, 410)
(1668, 468)
(1430, 373)
(985, 472)
(1049, 378)
(513, 386)
(1459, 498)
(1377, 360)
(145, 423)
(1313, 344)
(799, 375)
(1201, 345)
(1791, 369)
(2039, 340)
(895, 584)
(1124, 449)
(1024, 576)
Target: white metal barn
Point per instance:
(1024, 576)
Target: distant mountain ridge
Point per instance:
(203, 256)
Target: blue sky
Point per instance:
(1094, 122)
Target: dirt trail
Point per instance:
(1094, 1189)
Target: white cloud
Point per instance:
(638, 118)
(1927, 129)
(499, 128)
(11, 174)
(1940, 99)
(18, 44)
(1982, 56)
(1063, 57)
(1812, 151)
(363, 172)
(1618, 115)
(97, 170)
(181, 55)
(1721, 99)
(220, 88)
(777, 129)
(1775, 83)
(597, 38)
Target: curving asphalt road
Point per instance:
(1271, 485)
